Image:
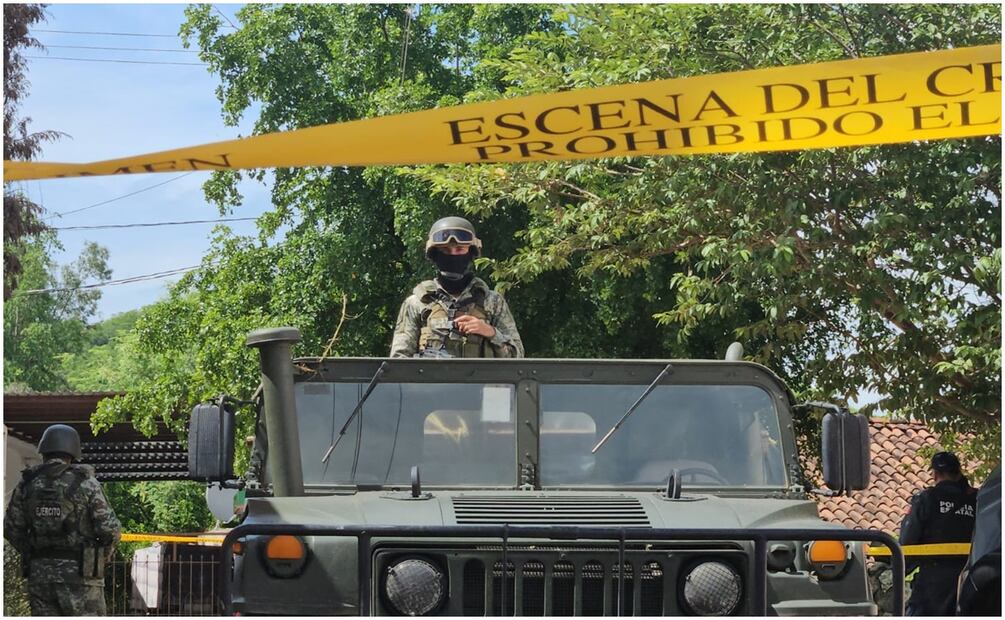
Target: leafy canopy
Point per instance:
(849, 269)
(845, 270)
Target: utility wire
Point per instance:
(104, 202)
(152, 224)
(130, 280)
(130, 62)
(120, 49)
(113, 34)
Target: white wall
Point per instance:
(18, 454)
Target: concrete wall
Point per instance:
(18, 454)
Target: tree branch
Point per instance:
(341, 322)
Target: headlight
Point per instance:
(712, 589)
(415, 587)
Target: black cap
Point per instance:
(946, 463)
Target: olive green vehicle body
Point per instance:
(329, 582)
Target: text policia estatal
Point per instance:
(714, 122)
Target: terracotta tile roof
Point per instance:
(898, 471)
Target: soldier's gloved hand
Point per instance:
(468, 324)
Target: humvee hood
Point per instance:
(569, 508)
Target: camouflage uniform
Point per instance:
(423, 322)
(881, 581)
(65, 570)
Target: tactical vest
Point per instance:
(951, 510)
(437, 318)
(50, 495)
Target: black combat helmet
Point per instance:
(62, 439)
(946, 463)
(456, 229)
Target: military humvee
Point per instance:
(534, 487)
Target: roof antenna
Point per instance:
(734, 353)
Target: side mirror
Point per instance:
(845, 451)
(211, 443)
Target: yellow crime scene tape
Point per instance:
(888, 99)
(938, 549)
(177, 538)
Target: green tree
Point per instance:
(48, 313)
(20, 214)
(848, 269)
(351, 235)
(108, 362)
(845, 270)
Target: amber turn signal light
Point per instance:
(285, 547)
(828, 558)
(828, 551)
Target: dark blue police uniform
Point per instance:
(940, 514)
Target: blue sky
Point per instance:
(117, 109)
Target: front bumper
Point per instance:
(619, 592)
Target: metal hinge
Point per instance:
(528, 476)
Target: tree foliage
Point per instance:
(47, 316)
(843, 269)
(850, 269)
(20, 214)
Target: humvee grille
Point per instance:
(590, 591)
(561, 580)
(533, 510)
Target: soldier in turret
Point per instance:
(62, 525)
(455, 314)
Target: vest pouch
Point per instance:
(474, 345)
(92, 564)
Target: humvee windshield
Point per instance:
(464, 434)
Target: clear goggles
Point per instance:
(457, 235)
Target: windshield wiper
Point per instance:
(666, 370)
(369, 389)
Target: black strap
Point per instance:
(26, 477)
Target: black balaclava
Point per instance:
(455, 271)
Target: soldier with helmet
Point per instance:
(62, 525)
(943, 513)
(455, 314)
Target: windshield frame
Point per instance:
(526, 375)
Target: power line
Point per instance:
(120, 49)
(104, 202)
(112, 34)
(130, 280)
(130, 62)
(152, 224)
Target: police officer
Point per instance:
(455, 314)
(940, 514)
(60, 522)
